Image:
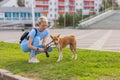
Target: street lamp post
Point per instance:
(105, 5)
(73, 20)
(33, 13)
(64, 19)
(112, 4)
(66, 5)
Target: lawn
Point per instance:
(90, 65)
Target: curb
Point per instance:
(6, 75)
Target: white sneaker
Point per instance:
(33, 60)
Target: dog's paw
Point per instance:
(58, 60)
(75, 57)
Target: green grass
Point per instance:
(90, 65)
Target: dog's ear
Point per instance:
(51, 36)
(58, 35)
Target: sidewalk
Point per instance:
(108, 40)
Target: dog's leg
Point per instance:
(60, 56)
(73, 55)
(73, 49)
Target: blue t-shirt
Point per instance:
(37, 39)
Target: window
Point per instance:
(7, 14)
(15, 14)
(95, 4)
(55, 9)
(50, 9)
(50, 3)
(50, 15)
(24, 14)
(29, 14)
(55, 3)
(76, 4)
(80, 4)
(26, 2)
(37, 14)
(55, 15)
(21, 14)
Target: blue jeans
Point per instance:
(24, 47)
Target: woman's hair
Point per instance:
(42, 19)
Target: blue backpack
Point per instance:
(25, 35)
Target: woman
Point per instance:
(37, 40)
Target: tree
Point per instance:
(21, 3)
(78, 16)
(61, 20)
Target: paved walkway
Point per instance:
(86, 39)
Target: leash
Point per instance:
(49, 43)
(47, 47)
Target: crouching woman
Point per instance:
(37, 40)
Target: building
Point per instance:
(17, 15)
(53, 8)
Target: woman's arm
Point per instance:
(44, 41)
(33, 47)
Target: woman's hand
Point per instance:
(41, 49)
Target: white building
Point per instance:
(97, 5)
(53, 8)
(28, 3)
(79, 4)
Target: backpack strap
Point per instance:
(35, 33)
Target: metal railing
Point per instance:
(92, 16)
(85, 26)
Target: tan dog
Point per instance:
(63, 42)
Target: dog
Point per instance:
(61, 43)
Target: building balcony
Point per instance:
(88, 0)
(61, 12)
(71, 6)
(91, 12)
(71, 12)
(43, 0)
(61, 6)
(44, 12)
(42, 6)
(88, 6)
(71, 0)
(61, 0)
